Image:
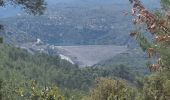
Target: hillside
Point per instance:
(136, 59)
(17, 64)
(82, 50)
(73, 25)
(64, 28)
(82, 55)
(66, 23)
(74, 22)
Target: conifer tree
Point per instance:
(35, 7)
(31, 6)
(153, 36)
(109, 89)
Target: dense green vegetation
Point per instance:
(25, 76)
(136, 59)
(19, 68)
(155, 86)
(109, 89)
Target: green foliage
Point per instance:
(31, 6)
(1, 92)
(143, 42)
(35, 7)
(74, 94)
(1, 40)
(156, 87)
(165, 4)
(1, 27)
(133, 63)
(48, 93)
(29, 91)
(108, 89)
(18, 67)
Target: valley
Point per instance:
(83, 50)
(85, 33)
(82, 55)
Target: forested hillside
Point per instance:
(133, 74)
(20, 67)
(75, 22)
(137, 61)
(71, 26)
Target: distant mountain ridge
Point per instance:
(73, 25)
(10, 11)
(74, 22)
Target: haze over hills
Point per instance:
(10, 11)
(84, 50)
(73, 23)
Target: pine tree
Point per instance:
(35, 7)
(156, 43)
(31, 6)
(109, 89)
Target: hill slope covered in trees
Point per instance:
(20, 67)
(75, 22)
